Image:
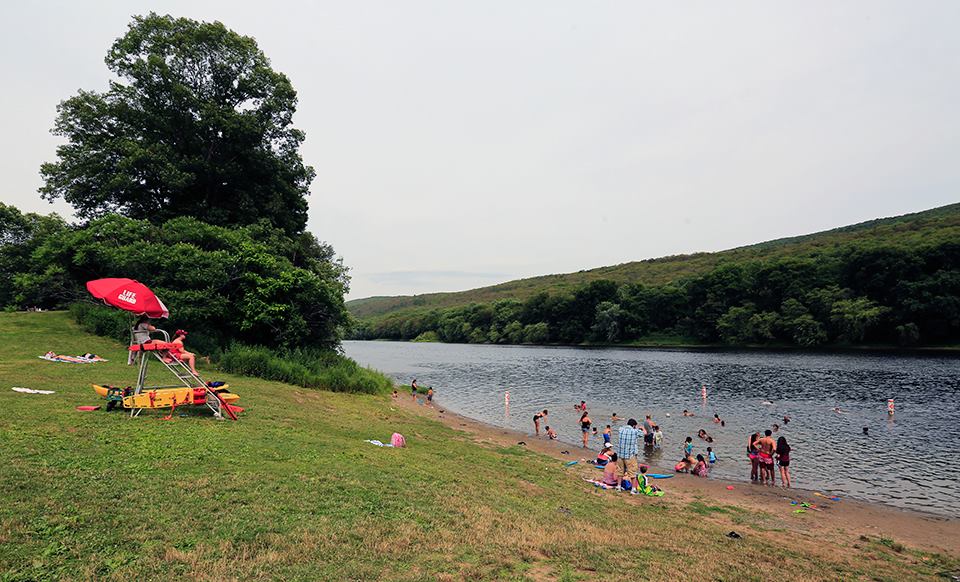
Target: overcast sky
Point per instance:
(459, 144)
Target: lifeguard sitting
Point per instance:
(176, 350)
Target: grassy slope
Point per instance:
(291, 492)
(908, 230)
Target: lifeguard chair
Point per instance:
(190, 389)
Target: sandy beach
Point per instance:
(828, 526)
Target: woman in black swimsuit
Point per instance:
(585, 423)
(783, 459)
(536, 420)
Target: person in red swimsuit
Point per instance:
(181, 354)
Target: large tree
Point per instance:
(197, 124)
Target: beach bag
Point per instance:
(397, 440)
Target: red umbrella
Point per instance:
(128, 295)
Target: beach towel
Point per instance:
(71, 359)
(31, 390)
(378, 443)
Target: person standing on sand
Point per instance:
(753, 455)
(627, 453)
(536, 421)
(767, 448)
(783, 459)
(430, 397)
(585, 423)
(413, 389)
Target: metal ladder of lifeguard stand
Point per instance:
(185, 375)
(191, 380)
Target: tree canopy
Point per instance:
(252, 284)
(197, 124)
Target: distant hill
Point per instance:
(909, 229)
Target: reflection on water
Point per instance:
(910, 460)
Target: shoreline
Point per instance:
(953, 351)
(847, 521)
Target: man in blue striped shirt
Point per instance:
(627, 452)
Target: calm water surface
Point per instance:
(911, 460)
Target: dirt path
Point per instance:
(843, 521)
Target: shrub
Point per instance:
(323, 369)
(102, 320)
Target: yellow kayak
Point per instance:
(167, 397)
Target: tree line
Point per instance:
(852, 294)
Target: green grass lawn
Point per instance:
(291, 492)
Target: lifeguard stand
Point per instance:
(161, 352)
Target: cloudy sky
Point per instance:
(459, 144)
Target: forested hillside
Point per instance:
(890, 281)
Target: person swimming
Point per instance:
(614, 417)
(716, 419)
(688, 413)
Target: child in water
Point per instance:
(700, 469)
(657, 437)
(688, 447)
(606, 435)
(552, 434)
(711, 456)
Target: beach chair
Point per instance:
(137, 338)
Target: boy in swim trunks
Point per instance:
(766, 447)
(606, 435)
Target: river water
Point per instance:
(910, 460)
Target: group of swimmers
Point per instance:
(698, 465)
(763, 451)
(414, 389)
